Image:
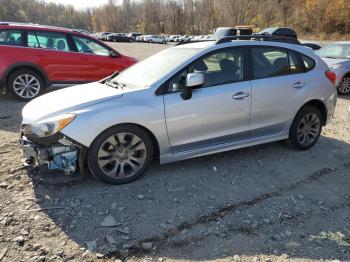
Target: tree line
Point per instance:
(314, 17)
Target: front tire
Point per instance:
(344, 86)
(121, 154)
(25, 84)
(306, 128)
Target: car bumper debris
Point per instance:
(62, 155)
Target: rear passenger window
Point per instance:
(11, 37)
(308, 62)
(48, 40)
(270, 62)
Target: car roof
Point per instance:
(4, 25)
(211, 45)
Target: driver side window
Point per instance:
(88, 46)
(219, 68)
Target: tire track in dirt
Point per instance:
(163, 239)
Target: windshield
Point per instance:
(155, 67)
(335, 51)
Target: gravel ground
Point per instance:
(264, 203)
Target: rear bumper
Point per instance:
(62, 155)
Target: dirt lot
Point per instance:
(265, 203)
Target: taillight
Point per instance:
(331, 76)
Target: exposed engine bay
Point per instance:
(62, 155)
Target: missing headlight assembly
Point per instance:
(62, 155)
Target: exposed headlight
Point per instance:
(336, 66)
(48, 127)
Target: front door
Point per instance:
(218, 112)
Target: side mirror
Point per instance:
(112, 54)
(193, 80)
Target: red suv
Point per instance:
(34, 57)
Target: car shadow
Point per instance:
(211, 207)
(10, 114)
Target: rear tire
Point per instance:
(121, 154)
(25, 84)
(344, 86)
(306, 128)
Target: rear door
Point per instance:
(279, 85)
(218, 112)
(52, 52)
(95, 59)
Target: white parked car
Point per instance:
(183, 102)
(337, 56)
(155, 39)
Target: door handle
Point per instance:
(240, 96)
(298, 85)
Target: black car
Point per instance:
(279, 31)
(120, 37)
(286, 32)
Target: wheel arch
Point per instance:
(320, 106)
(25, 65)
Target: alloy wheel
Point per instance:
(308, 129)
(26, 86)
(344, 86)
(122, 155)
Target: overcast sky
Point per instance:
(80, 4)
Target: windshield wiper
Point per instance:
(115, 84)
(332, 57)
(111, 84)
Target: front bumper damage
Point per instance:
(62, 155)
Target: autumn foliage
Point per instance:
(314, 17)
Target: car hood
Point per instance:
(334, 61)
(67, 100)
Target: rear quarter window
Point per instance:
(308, 63)
(11, 37)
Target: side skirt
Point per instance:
(221, 147)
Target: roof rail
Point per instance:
(34, 25)
(271, 38)
(195, 41)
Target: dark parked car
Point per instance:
(119, 37)
(279, 31)
(286, 32)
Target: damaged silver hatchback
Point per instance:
(186, 101)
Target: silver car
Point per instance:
(183, 102)
(155, 39)
(337, 56)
